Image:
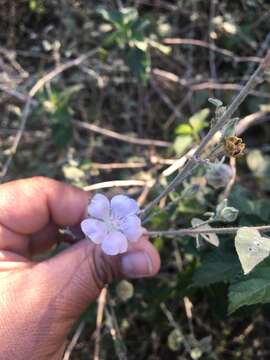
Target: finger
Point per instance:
(10, 241)
(27, 206)
(75, 277)
(44, 239)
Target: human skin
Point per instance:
(41, 301)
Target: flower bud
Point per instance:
(229, 214)
(124, 290)
(215, 102)
(219, 175)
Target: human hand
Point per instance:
(40, 301)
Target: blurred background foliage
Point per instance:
(157, 62)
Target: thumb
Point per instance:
(76, 276)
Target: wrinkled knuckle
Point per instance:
(103, 270)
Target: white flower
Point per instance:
(112, 223)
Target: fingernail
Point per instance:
(136, 264)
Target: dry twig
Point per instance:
(74, 341)
(100, 312)
(120, 137)
(115, 183)
(213, 47)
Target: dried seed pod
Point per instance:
(219, 175)
(234, 146)
(124, 290)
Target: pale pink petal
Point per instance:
(94, 229)
(123, 246)
(114, 243)
(122, 206)
(99, 207)
(131, 227)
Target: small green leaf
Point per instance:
(114, 16)
(218, 266)
(141, 45)
(181, 143)
(197, 121)
(138, 62)
(184, 129)
(251, 289)
(129, 14)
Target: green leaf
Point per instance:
(61, 127)
(197, 121)
(114, 16)
(251, 289)
(183, 129)
(181, 143)
(217, 266)
(242, 199)
(138, 62)
(65, 96)
(129, 14)
(141, 45)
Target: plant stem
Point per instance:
(193, 163)
(192, 231)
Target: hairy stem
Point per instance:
(196, 231)
(192, 164)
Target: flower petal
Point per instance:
(99, 207)
(94, 229)
(122, 206)
(131, 227)
(114, 243)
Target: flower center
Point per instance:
(113, 223)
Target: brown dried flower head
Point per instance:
(234, 146)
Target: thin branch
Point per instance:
(213, 47)
(14, 93)
(193, 163)
(207, 85)
(102, 299)
(112, 323)
(120, 137)
(251, 120)
(74, 341)
(191, 231)
(27, 107)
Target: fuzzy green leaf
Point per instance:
(218, 266)
(198, 120)
(183, 129)
(251, 289)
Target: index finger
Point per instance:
(28, 206)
